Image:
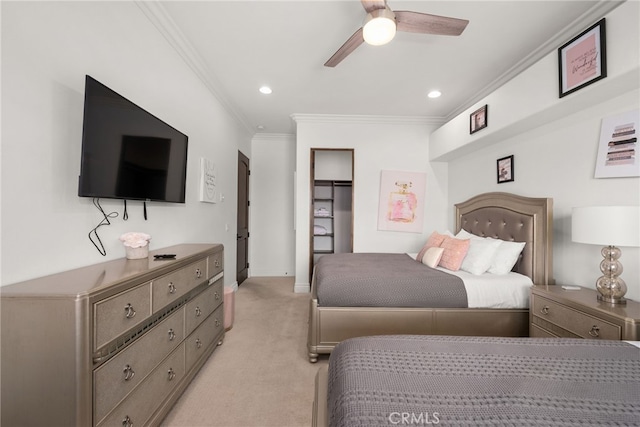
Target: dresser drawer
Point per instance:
(206, 334)
(538, 332)
(579, 323)
(146, 398)
(172, 286)
(117, 314)
(203, 305)
(119, 375)
(216, 263)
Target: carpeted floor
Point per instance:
(261, 375)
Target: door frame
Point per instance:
(243, 194)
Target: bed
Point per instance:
(418, 380)
(503, 216)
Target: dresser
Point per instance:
(111, 344)
(556, 312)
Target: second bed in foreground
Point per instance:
(479, 381)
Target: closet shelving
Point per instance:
(323, 218)
(331, 217)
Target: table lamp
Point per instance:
(610, 226)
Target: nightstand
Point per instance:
(556, 312)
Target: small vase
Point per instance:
(137, 253)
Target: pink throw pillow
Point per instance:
(434, 241)
(454, 252)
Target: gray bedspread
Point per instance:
(385, 280)
(482, 381)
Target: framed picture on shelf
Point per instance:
(505, 169)
(478, 119)
(583, 59)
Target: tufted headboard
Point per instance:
(514, 218)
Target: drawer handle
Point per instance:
(128, 373)
(217, 322)
(198, 273)
(129, 312)
(126, 422)
(198, 343)
(595, 331)
(172, 335)
(216, 296)
(172, 288)
(171, 374)
(198, 312)
(217, 263)
(545, 309)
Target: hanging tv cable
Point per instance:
(105, 221)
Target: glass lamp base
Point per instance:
(614, 301)
(611, 287)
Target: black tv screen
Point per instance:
(127, 153)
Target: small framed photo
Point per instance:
(583, 59)
(505, 169)
(478, 119)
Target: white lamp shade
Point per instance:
(379, 27)
(606, 225)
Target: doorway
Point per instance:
(242, 235)
(331, 216)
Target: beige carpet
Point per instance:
(261, 375)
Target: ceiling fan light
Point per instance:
(379, 27)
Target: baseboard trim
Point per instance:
(302, 288)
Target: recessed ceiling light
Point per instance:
(434, 94)
(266, 90)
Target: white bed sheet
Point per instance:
(495, 291)
(492, 290)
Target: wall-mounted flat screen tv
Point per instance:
(128, 153)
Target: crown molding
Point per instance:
(263, 136)
(597, 12)
(367, 119)
(157, 14)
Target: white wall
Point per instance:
(47, 48)
(333, 165)
(379, 144)
(271, 184)
(555, 144)
(558, 160)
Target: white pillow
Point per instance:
(480, 255)
(432, 256)
(464, 234)
(505, 257)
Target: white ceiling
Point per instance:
(238, 46)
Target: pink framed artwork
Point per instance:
(402, 197)
(583, 59)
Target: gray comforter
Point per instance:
(385, 280)
(474, 381)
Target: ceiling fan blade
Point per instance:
(349, 46)
(416, 22)
(371, 5)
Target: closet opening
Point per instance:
(331, 216)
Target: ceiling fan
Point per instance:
(379, 14)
